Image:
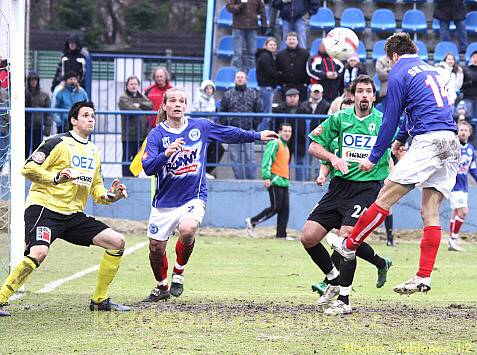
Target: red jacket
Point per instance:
(155, 94)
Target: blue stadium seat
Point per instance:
(361, 50)
(314, 46)
(414, 1)
(353, 18)
(323, 20)
(261, 41)
(471, 48)
(443, 48)
(414, 21)
(470, 2)
(217, 105)
(383, 20)
(377, 82)
(225, 49)
(422, 50)
(225, 78)
(436, 26)
(378, 49)
(252, 79)
(225, 18)
(471, 22)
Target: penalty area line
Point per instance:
(50, 286)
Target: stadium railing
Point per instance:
(108, 135)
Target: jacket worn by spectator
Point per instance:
(65, 99)
(71, 60)
(155, 94)
(267, 69)
(469, 87)
(204, 102)
(292, 64)
(292, 10)
(134, 128)
(318, 66)
(383, 69)
(298, 126)
(35, 97)
(241, 99)
(245, 14)
(448, 10)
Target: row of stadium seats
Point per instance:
(382, 20)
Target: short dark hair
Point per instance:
(291, 34)
(399, 43)
(287, 124)
(362, 79)
(74, 111)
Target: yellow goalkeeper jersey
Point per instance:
(67, 150)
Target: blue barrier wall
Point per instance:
(231, 201)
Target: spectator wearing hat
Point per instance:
(352, 70)
(316, 104)
(291, 62)
(326, 71)
(69, 93)
(461, 113)
(469, 86)
(73, 59)
(297, 143)
(38, 124)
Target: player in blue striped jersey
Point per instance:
(458, 197)
(176, 154)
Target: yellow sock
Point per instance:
(108, 268)
(17, 278)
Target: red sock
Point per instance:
(429, 246)
(458, 222)
(183, 253)
(159, 268)
(369, 221)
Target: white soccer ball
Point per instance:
(341, 43)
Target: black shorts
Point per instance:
(344, 202)
(43, 226)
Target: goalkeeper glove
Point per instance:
(117, 191)
(65, 175)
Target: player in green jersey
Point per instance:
(350, 192)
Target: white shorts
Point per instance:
(458, 199)
(164, 221)
(431, 161)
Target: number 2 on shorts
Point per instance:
(358, 211)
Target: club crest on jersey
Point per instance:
(43, 234)
(194, 134)
(372, 127)
(184, 161)
(166, 141)
(38, 157)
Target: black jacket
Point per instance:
(448, 10)
(469, 87)
(298, 127)
(292, 64)
(267, 70)
(296, 9)
(71, 61)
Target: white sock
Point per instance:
(345, 290)
(334, 273)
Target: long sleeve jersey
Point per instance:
(466, 165)
(181, 177)
(417, 88)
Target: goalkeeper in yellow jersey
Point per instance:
(64, 170)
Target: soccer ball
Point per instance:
(341, 43)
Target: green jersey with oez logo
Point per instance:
(356, 137)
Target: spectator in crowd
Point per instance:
(244, 30)
(316, 104)
(326, 71)
(240, 98)
(272, 19)
(297, 143)
(352, 70)
(276, 176)
(38, 124)
(452, 75)
(4, 126)
(4, 84)
(461, 113)
(469, 86)
(72, 60)
(133, 127)
(336, 103)
(292, 13)
(155, 92)
(382, 69)
(205, 102)
(291, 62)
(66, 96)
(268, 76)
(451, 10)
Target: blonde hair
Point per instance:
(465, 123)
(161, 114)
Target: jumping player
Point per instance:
(64, 170)
(430, 163)
(176, 153)
(350, 192)
(458, 196)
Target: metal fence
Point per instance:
(117, 144)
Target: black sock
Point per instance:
(366, 252)
(321, 257)
(336, 259)
(347, 269)
(388, 223)
(344, 299)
